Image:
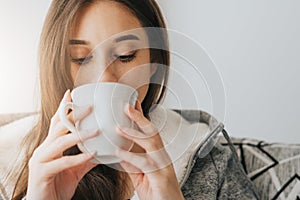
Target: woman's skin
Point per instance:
(49, 170)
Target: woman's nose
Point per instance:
(108, 76)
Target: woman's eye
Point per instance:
(81, 61)
(126, 58)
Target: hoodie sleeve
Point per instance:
(218, 175)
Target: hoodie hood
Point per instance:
(187, 135)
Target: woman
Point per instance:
(54, 168)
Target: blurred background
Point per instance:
(254, 45)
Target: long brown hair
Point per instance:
(102, 182)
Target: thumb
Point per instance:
(134, 173)
(85, 169)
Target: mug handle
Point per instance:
(63, 117)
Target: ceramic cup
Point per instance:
(107, 100)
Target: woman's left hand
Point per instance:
(152, 172)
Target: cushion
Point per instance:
(273, 167)
(7, 118)
(10, 138)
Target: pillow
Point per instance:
(12, 129)
(274, 168)
(8, 118)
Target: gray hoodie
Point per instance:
(214, 171)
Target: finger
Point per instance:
(86, 167)
(55, 118)
(149, 143)
(138, 117)
(66, 98)
(135, 174)
(67, 162)
(129, 168)
(56, 131)
(154, 166)
(138, 106)
(56, 148)
(153, 146)
(60, 129)
(80, 113)
(140, 161)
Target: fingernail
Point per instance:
(91, 131)
(94, 164)
(138, 102)
(95, 132)
(117, 152)
(93, 153)
(126, 109)
(86, 107)
(139, 106)
(131, 108)
(118, 129)
(88, 155)
(66, 93)
(124, 128)
(88, 134)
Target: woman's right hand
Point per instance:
(52, 175)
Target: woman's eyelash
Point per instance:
(126, 58)
(122, 58)
(81, 61)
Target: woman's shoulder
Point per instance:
(218, 175)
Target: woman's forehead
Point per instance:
(103, 20)
(133, 40)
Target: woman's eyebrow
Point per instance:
(78, 42)
(126, 37)
(119, 39)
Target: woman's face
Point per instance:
(96, 24)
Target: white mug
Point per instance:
(107, 100)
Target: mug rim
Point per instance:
(76, 91)
(104, 83)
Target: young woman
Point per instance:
(54, 168)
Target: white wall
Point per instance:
(256, 45)
(20, 25)
(253, 43)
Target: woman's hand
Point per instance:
(152, 172)
(52, 175)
